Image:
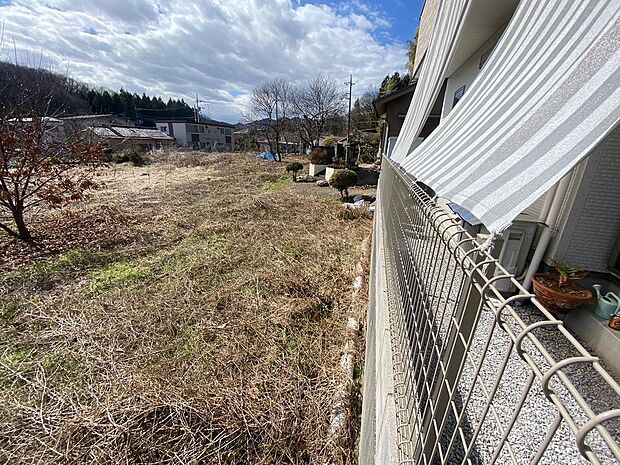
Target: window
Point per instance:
(228, 131)
(195, 128)
(195, 137)
(458, 95)
(228, 139)
(221, 130)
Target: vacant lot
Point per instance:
(191, 311)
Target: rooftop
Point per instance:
(130, 132)
(79, 117)
(381, 103)
(203, 121)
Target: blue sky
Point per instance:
(220, 49)
(403, 15)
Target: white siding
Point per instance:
(533, 211)
(592, 224)
(465, 74)
(179, 133)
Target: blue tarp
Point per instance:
(266, 156)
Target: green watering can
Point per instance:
(607, 305)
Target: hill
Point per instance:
(39, 91)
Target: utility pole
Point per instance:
(277, 131)
(347, 153)
(197, 108)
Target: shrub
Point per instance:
(294, 167)
(132, 157)
(342, 180)
(330, 141)
(322, 155)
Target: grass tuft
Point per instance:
(118, 275)
(280, 184)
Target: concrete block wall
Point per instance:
(378, 441)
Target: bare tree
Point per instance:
(270, 105)
(316, 103)
(41, 164)
(41, 161)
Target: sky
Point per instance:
(220, 49)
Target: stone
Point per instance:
(306, 179)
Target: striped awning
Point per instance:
(548, 94)
(449, 23)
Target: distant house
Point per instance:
(99, 120)
(52, 127)
(206, 134)
(393, 108)
(129, 137)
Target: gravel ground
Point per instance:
(537, 413)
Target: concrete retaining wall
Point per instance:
(378, 441)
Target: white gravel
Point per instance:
(537, 413)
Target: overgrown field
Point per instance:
(191, 311)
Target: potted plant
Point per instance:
(559, 292)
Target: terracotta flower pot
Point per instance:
(556, 301)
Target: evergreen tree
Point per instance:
(412, 45)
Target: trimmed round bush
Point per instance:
(342, 180)
(294, 166)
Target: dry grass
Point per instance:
(189, 312)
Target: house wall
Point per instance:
(397, 109)
(467, 72)
(590, 221)
(180, 134)
(394, 109)
(425, 30)
(211, 136)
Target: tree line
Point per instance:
(36, 91)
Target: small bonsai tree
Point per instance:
(294, 167)
(568, 273)
(342, 180)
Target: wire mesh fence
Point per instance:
(479, 377)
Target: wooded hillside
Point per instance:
(42, 92)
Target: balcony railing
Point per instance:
(479, 377)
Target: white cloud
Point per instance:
(218, 48)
